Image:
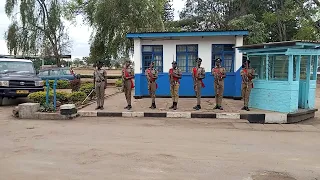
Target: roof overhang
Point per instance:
(187, 34)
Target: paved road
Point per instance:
(110, 148)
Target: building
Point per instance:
(286, 75)
(185, 47)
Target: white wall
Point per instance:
(204, 49)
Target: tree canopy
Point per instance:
(36, 28)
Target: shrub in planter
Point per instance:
(87, 88)
(40, 97)
(75, 85)
(77, 97)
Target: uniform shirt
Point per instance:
(100, 75)
(217, 72)
(200, 73)
(176, 71)
(154, 72)
(246, 72)
(127, 70)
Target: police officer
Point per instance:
(198, 74)
(127, 80)
(174, 76)
(152, 76)
(219, 73)
(247, 74)
(100, 84)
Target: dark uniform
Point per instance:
(127, 80)
(219, 74)
(100, 84)
(152, 76)
(247, 75)
(174, 76)
(198, 74)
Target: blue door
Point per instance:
(304, 82)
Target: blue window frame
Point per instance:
(152, 53)
(226, 53)
(186, 56)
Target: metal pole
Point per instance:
(55, 94)
(47, 94)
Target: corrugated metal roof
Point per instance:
(278, 44)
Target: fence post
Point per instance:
(55, 95)
(47, 94)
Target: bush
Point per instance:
(61, 84)
(40, 97)
(87, 88)
(77, 97)
(119, 83)
(91, 76)
(75, 85)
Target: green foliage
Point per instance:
(77, 96)
(87, 88)
(39, 29)
(258, 33)
(47, 108)
(40, 97)
(112, 20)
(119, 83)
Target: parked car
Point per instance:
(56, 73)
(18, 78)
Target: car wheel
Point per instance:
(1, 101)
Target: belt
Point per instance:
(100, 81)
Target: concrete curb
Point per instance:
(94, 101)
(267, 118)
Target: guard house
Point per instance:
(185, 47)
(286, 74)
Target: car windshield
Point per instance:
(16, 67)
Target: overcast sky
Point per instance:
(79, 33)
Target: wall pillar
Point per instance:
(290, 68)
(237, 66)
(137, 66)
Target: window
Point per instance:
(19, 67)
(54, 72)
(66, 71)
(44, 73)
(278, 67)
(258, 63)
(152, 54)
(226, 53)
(313, 69)
(186, 57)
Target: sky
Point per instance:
(78, 33)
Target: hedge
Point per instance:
(108, 77)
(87, 88)
(119, 83)
(63, 97)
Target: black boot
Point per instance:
(243, 108)
(126, 107)
(175, 106)
(153, 106)
(216, 107)
(171, 107)
(129, 107)
(247, 108)
(197, 107)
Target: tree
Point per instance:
(112, 20)
(39, 29)
(258, 32)
(168, 13)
